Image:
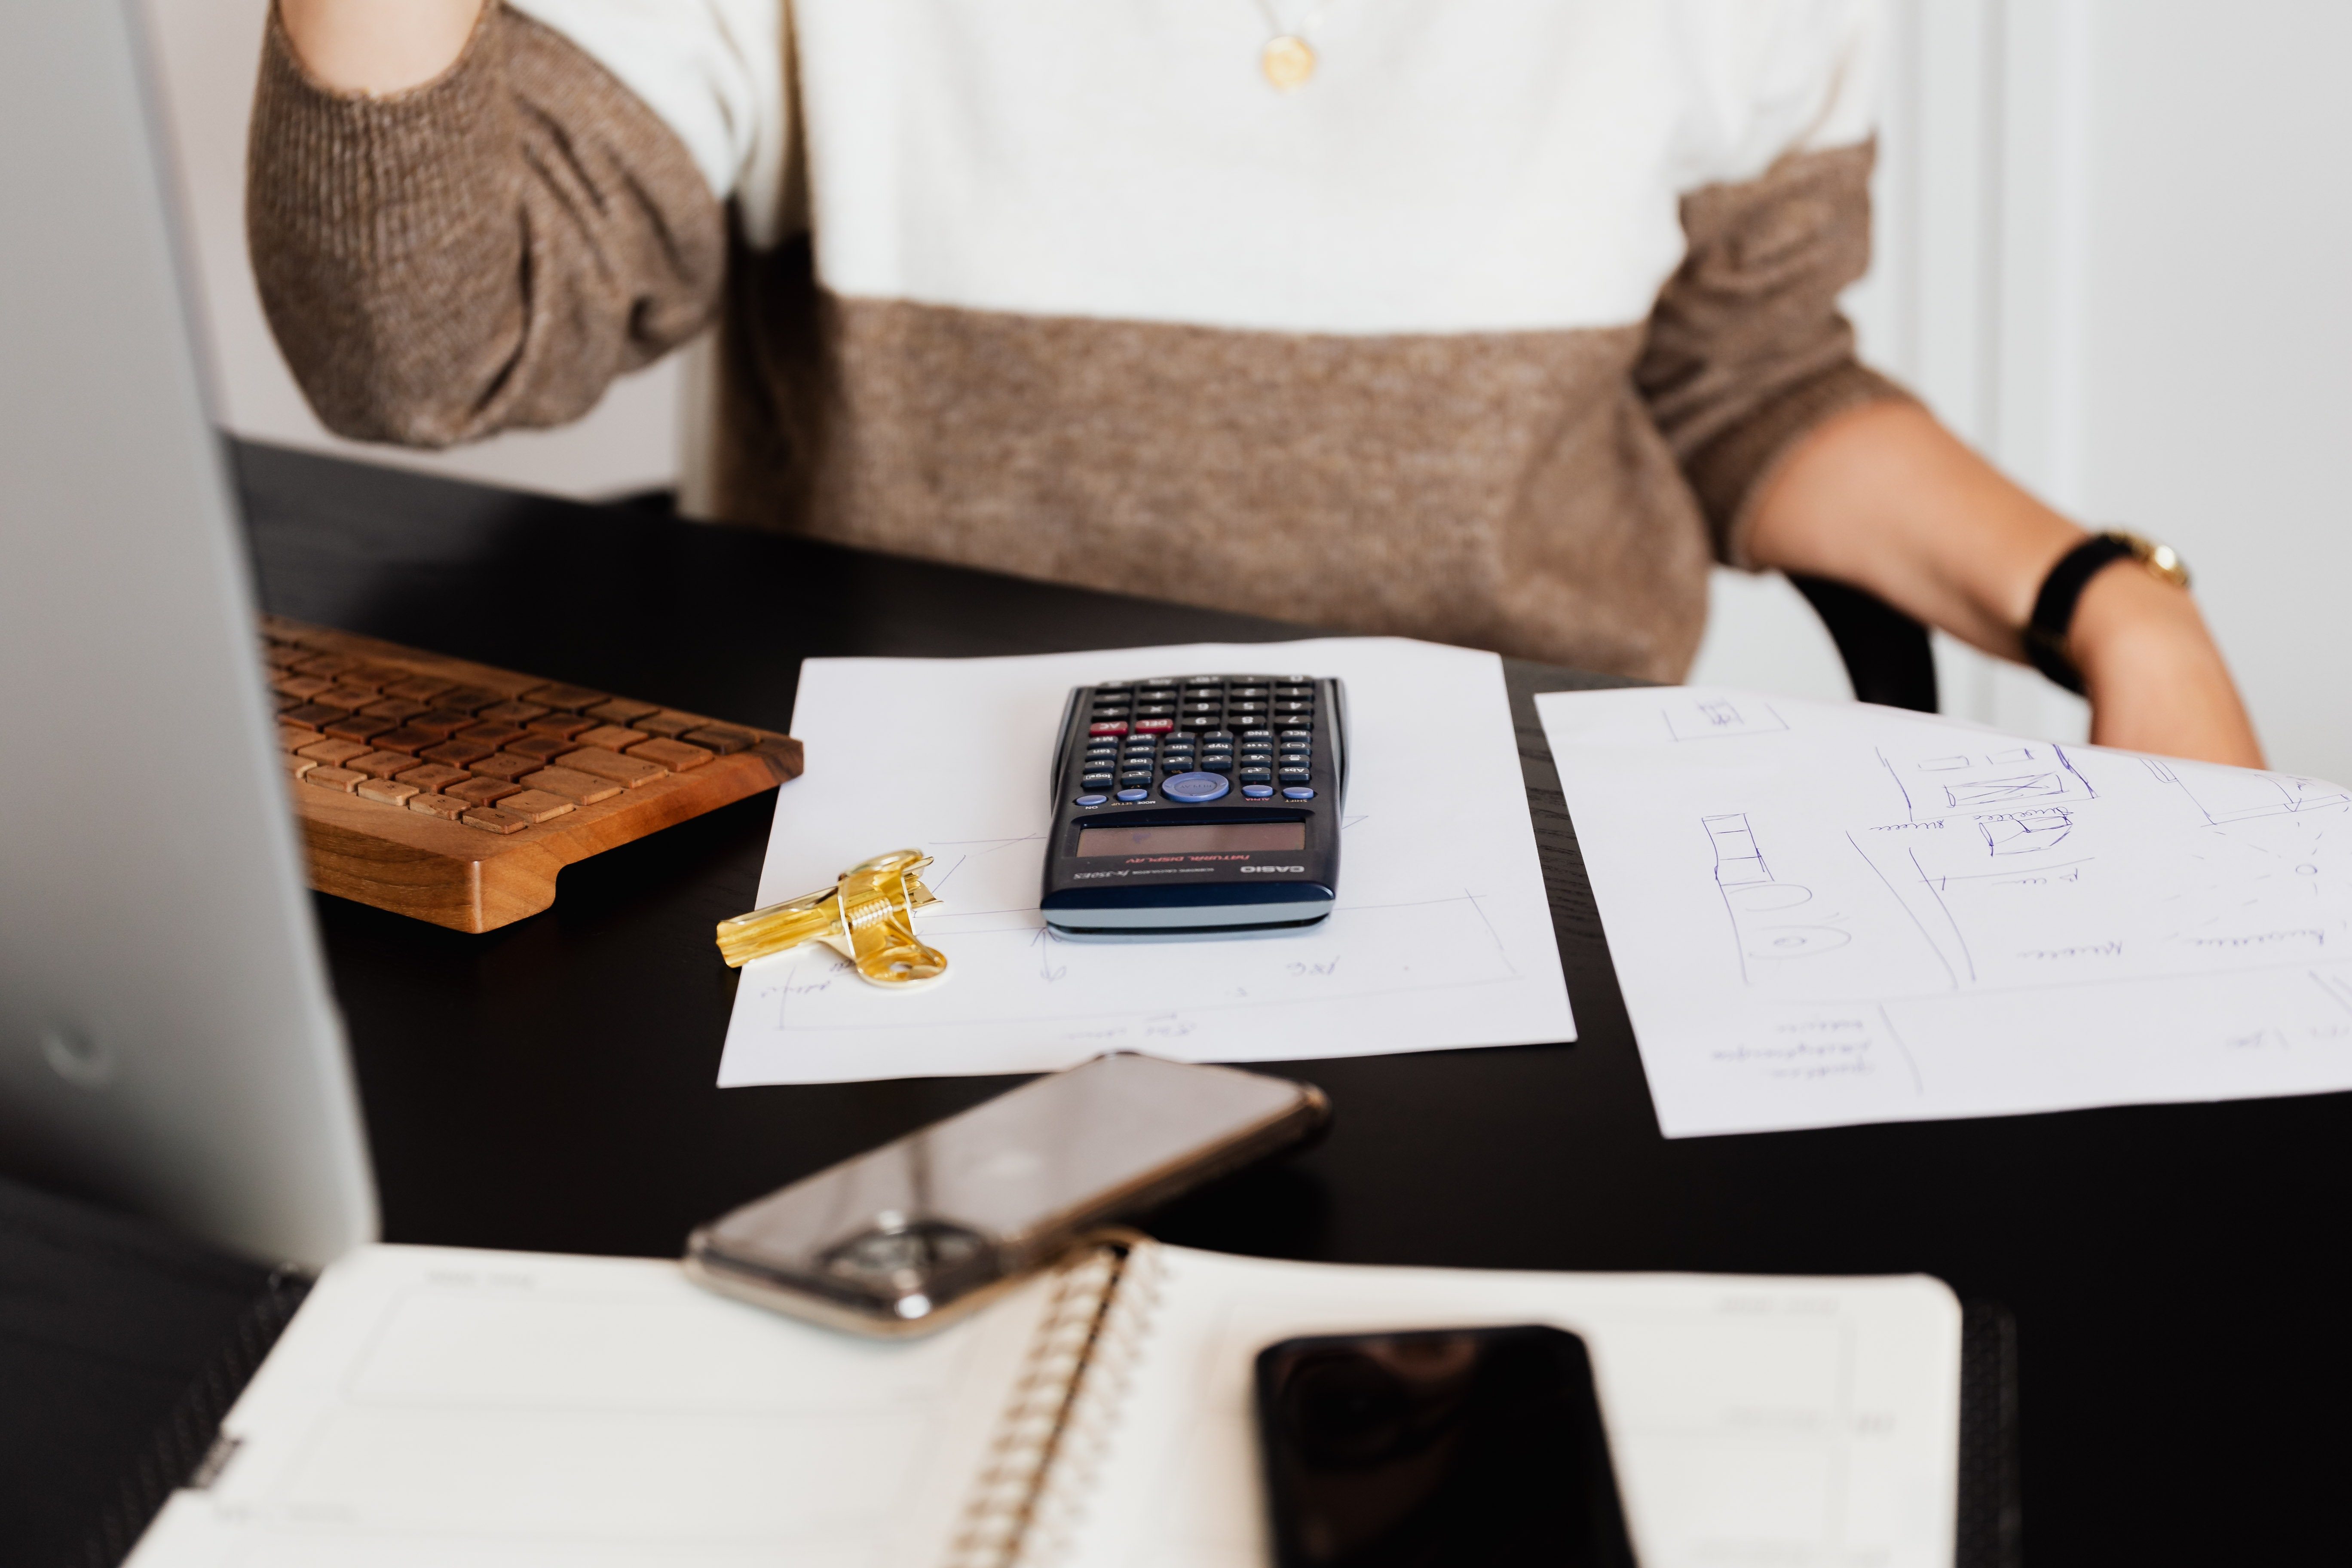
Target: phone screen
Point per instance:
(1438, 1447)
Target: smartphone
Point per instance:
(906, 1238)
(1438, 1447)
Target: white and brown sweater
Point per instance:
(1490, 333)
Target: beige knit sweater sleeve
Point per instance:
(1747, 354)
(483, 252)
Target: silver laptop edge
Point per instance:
(168, 1042)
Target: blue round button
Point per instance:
(1092, 799)
(1133, 795)
(1258, 792)
(1298, 791)
(1194, 788)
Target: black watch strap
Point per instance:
(2054, 608)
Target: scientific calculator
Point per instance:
(1197, 805)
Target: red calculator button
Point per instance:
(1118, 728)
(1151, 726)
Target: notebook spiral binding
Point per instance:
(1057, 1421)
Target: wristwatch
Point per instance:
(2054, 608)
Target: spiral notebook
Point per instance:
(492, 1409)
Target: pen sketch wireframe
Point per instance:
(1906, 915)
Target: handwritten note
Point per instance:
(1441, 937)
(1826, 913)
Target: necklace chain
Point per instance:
(1307, 24)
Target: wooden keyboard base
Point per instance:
(461, 877)
(466, 879)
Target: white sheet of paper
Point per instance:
(1750, 1420)
(1827, 914)
(1441, 936)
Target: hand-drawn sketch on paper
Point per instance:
(1711, 715)
(1885, 915)
(1771, 922)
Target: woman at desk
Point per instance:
(1486, 322)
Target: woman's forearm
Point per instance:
(378, 46)
(1887, 500)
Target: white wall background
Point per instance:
(2110, 253)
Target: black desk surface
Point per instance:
(2176, 1273)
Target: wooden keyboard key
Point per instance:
(407, 738)
(333, 752)
(392, 792)
(310, 715)
(678, 756)
(546, 748)
(670, 723)
(536, 805)
(558, 695)
(433, 777)
(582, 789)
(723, 739)
(442, 721)
(456, 753)
(356, 727)
(431, 803)
(505, 766)
(382, 764)
(491, 735)
(631, 771)
(481, 791)
(507, 754)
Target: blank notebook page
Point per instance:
(487, 1409)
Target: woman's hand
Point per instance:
(1887, 500)
(378, 46)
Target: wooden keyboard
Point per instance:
(454, 791)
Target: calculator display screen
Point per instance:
(1192, 838)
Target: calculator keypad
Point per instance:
(1256, 730)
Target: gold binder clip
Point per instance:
(868, 917)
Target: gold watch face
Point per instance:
(2161, 560)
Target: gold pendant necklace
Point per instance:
(1288, 59)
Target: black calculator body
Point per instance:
(1197, 805)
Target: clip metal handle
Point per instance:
(867, 916)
